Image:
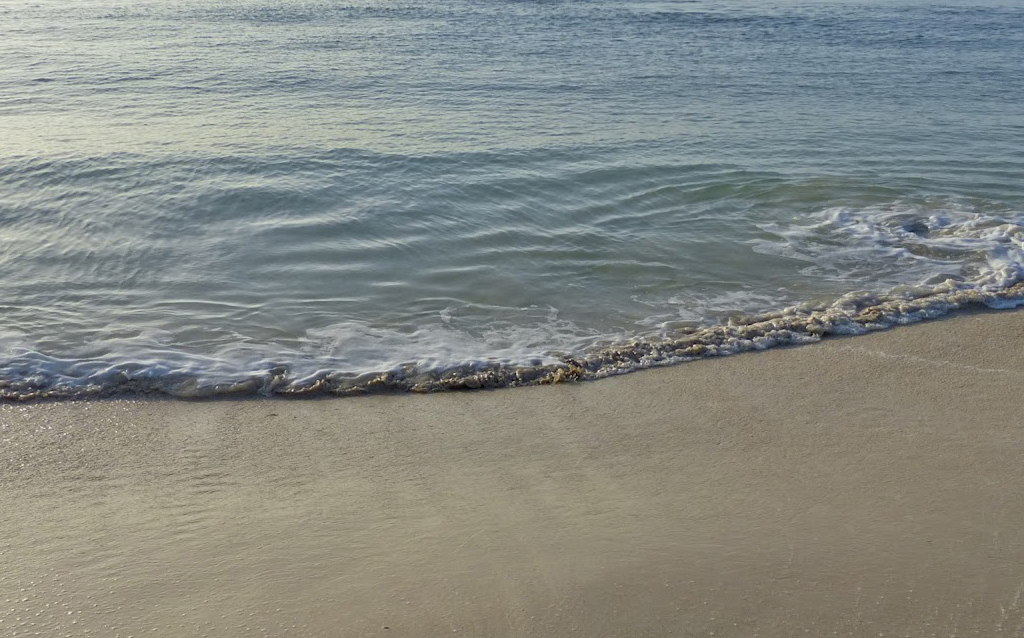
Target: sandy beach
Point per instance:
(866, 486)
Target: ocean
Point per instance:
(321, 197)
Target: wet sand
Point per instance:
(859, 487)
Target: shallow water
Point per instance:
(314, 196)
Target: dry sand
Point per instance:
(860, 487)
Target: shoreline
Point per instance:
(852, 487)
(850, 315)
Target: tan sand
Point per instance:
(860, 487)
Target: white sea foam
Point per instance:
(906, 244)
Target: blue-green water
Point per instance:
(201, 197)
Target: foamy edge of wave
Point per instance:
(852, 314)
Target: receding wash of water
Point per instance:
(305, 197)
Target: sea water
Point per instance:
(238, 196)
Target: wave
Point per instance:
(853, 314)
(964, 255)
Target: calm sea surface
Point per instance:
(235, 196)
